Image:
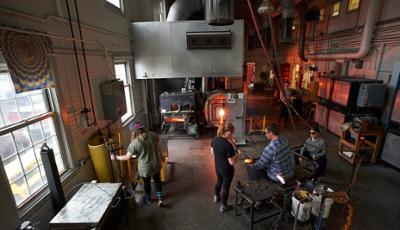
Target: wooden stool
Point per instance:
(254, 121)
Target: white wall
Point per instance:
(101, 23)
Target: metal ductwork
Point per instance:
(371, 19)
(220, 12)
(183, 9)
(217, 12)
(303, 29)
(287, 20)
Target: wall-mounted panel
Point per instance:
(160, 50)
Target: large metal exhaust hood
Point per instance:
(161, 49)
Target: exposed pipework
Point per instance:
(303, 29)
(371, 19)
(287, 20)
(183, 9)
(220, 12)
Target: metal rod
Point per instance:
(85, 61)
(76, 55)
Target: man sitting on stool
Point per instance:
(276, 158)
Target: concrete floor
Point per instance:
(189, 190)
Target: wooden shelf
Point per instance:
(360, 142)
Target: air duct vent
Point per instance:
(208, 40)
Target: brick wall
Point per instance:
(106, 26)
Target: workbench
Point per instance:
(89, 207)
(354, 140)
(251, 193)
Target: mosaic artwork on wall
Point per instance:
(27, 61)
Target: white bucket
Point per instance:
(304, 209)
(316, 204)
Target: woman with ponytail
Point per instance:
(223, 149)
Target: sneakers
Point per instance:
(217, 199)
(160, 203)
(225, 208)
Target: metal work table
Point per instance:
(253, 192)
(89, 207)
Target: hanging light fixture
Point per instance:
(265, 7)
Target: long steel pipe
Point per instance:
(372, 17)
(182, 9)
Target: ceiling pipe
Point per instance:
(287, 20)
(220, 12)
(183, 9)
(371, 19)
(303, 30)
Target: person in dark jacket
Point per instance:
(224, 152)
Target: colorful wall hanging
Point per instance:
(26, 57)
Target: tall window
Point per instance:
(321, 14)
(26, 123)
(122, 72)
(335, 9)
(116, 3)
(353, 5)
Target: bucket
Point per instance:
(100, 159)
(304, 206)
(326, 209)
(254, 174)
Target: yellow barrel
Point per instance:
(163, 171)
(100, 159)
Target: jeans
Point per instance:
(157, 183)
(224, 180)
(321, 164)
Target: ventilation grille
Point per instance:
(208, 40)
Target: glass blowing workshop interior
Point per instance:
(199, 114)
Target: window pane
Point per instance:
(6, 88)
(120, 72)
(52, 142)
(36, 148)
(9, 111)
(115, 3)
(128, 105)
(39, 103)
(34, 180)
(336, 9)
(60, 163)
(42, 173)
(22, 139)
(35, 130)
(20, 190)
(7, 146)
(24, 106)
(48, 127)
(13, 168)
(321, 14)
(353, 5)
(28, 160)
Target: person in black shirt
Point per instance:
(223, 149)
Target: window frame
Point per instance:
(333, 8)
(127, 64)
(35, 197)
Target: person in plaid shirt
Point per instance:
(276, 158)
